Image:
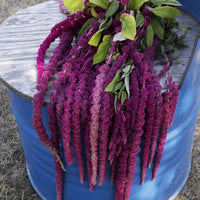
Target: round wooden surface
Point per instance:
(22, 33)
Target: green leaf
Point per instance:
(179, 62)
(126, 69)
(73, 6)
(115, 102)
(94, 41)
(166, 12)
(149, 36)
(128, 26)
(169, 47)
(173, 30)
(126, 81)
(112, 9)
(185, 29)
(112, 84)
(170, 37)
(121, 90)
(131, 4)
(102, 22)
(167, 2)
(138, 3)
(175, 53)
(105, 24)
(115, 56)
(162, 50)
(102, 51)
(142, 42)
(118, 86)
(118, 37)
(94, 13)
(85, 25)
(171, 23)
(157, 28)
(100, 3)
(123, 97)
(139, 19)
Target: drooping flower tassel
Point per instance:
(105, 123)
(174, 87)
(85, 119)
(76, 124)
(49, 71)
(113, 170)
(139, 123)
(42, 87)
(150, 111)
(38, 102)
(121, 178)
(43, 48)
(134, 89)
(55, 139)
(95, 111)
(114, 138)
(67, 118)
(136, 140)
(166, 122)
(88, 155)
(156, 123)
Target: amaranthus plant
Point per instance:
(106, 86)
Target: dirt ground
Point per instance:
(14, 182)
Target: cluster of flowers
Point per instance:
(80, 103)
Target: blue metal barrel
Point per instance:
(175, 163)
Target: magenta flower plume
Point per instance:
(38, 100)
(163, 130)
(113, 170)
(95, 110)
(134, 89)
(106, 115)
(174, 88)
(169, 103)
(156, 123)
(55, 140)
(136, 140)
(88, 155)
(67, 119)
(150, 111)
(114, 139)
(66, 130)
(121, 173)
(139, 123)
(124, 2)
(76, 124)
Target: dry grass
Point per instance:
(14, 182)
(9, 7)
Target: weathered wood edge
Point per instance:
(29, 98)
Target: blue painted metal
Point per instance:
(192, 6)
(175, 163)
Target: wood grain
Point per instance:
(22, 33)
